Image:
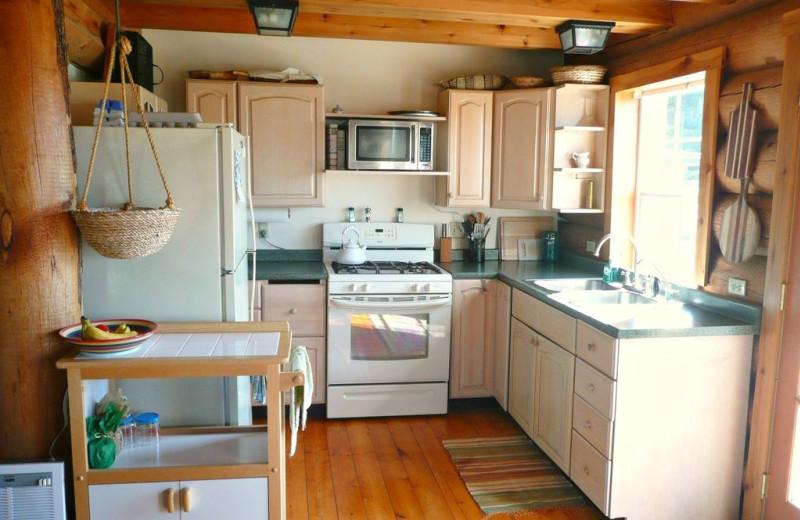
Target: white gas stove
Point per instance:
(388, 323)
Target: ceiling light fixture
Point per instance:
(579, 37)
(274, 17)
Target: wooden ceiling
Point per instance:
(517, 24)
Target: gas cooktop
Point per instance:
(386, 267)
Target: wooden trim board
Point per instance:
(514, 228)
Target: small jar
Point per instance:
(147, 429)
(350, 215)
(399, 214)
(128, 430)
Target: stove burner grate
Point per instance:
(386, 267)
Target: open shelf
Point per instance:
(344, 115)
(387, 172)
(579, 128)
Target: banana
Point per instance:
(89, 331)
(122, 328)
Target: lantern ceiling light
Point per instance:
(274, 17)
(579, 37)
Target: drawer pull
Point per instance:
(590, 386)
(293, 310)
(186, 499)
(591, 347)
(587, 424)
(586, 470)
(169, 500)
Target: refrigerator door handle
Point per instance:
(226, 272)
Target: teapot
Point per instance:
(352, 253)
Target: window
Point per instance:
(664, 137)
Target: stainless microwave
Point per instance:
(378, 144)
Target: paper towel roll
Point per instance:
(270, 215)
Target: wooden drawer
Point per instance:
(547, 321)
(592, 425)
(303, 306)
(591, 472)
(597, 349)
(595, 388)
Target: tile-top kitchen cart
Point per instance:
(215, 472)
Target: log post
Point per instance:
(39, 255)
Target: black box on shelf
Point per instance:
(140, 60)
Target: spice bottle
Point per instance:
(350, 215)
(399, 214)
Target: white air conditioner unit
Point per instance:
(32, 491)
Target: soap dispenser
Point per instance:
(609, 272)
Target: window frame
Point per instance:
(623, 117)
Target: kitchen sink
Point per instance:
(555, 285)
(617, 297)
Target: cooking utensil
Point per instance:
(741, 228)
(351, 253)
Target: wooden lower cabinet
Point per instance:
(472, 339)
(521, 374)
(502, 341)
(240, 498)
(552, 402)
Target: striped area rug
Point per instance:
(511, 474)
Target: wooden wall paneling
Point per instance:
(752, 38)
(777, 274)
(753, 271)
(763, 169)
(578, 229)
(85, 25)
(39, 257)
(767, 101)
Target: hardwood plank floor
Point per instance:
(386, 468)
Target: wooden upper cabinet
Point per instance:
(215, 101)
(520, 152)
(286, 128)
(468, 142)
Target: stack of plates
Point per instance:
(145, 329)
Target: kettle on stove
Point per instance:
(351, 253)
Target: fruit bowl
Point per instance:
(144, 329)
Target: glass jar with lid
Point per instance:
(147, 429)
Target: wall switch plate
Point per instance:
(736, 286)
(263, 230)
(590, 245)
(456, 230)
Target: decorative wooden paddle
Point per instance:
(741, 229)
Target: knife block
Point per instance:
(446, 249)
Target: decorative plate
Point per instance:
(145, 329)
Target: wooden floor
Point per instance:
(386, 468)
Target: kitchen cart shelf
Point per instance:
(386, 172)
(231, 456)
(578, 170)
(343, 115)
(577, 128)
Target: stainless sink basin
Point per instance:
(572, 284)
(618, 297)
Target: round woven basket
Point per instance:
(588, 74)
(118, 233)
(526, 81)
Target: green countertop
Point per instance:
(702, 314)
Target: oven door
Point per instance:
(388, 338)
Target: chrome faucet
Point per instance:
(606, 238)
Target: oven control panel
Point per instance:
(379, 234)
(384, 287)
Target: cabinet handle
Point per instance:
(169, 500)
(591, 347)
(186, 499)
(587, 424)
(591, 387)
(293, 310)
(586, 470)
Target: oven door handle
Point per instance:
(371, 306)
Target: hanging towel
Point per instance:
(259, 385)
(300, 395)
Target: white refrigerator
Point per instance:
(201, 274)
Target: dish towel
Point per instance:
(259, 384)
(300, 395)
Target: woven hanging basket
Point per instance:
(123, 234)
(587, 74)
(130, 231)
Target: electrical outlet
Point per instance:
(736, 286)
(590, 245)
(456, 230)
(263, 230)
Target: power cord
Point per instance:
(64, 409)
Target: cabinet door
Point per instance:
(316, 355)
(552, 407)
(286, 128)
(471, 356)
(521, 376)
(502, 337)
(520, 151)
(239, 498)
(139, 501)
(215, 101)
(469, 149)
